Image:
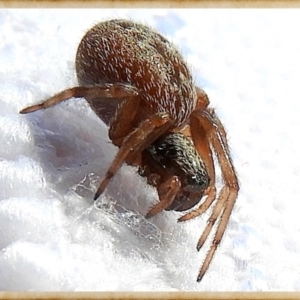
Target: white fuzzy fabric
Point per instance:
(53, 238)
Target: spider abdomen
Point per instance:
(121, 51)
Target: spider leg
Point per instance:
(223, 210)
(211, 196)
(121, 124)
(139, 139)
(202, 100)
(166, 192)
(199, 136)
(106, 90)
(216, 135)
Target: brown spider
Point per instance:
(139, 85)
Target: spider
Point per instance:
(138, 83)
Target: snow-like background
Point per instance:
(53, 238)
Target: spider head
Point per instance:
(175, 154)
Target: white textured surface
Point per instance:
(52, 238)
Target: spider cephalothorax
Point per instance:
(137, 82)
(177, 156)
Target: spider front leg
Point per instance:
(135, 142)
(166, 193)
(215, 134)
(104, 91)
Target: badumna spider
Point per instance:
(139, 85)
